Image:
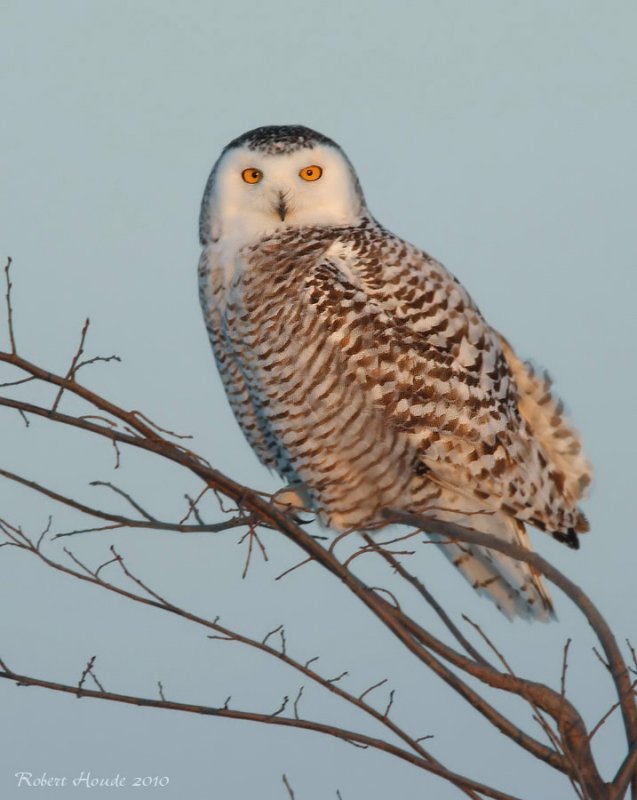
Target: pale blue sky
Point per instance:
(500, 136)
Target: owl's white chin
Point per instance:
(248, 228)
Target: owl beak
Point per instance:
(281, 208)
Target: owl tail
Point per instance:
(516, 588)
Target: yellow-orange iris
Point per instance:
(311, 173)
(251, 175)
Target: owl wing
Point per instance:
(451, 391)
(544, 416)
(454, 393)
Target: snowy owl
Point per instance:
(362, 372)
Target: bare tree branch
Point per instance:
(268, 719)
(85, 573)
(122, 522)
(617, 665)
(569, 750)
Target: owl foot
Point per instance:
(291, 499)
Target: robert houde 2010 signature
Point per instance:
(86, 780)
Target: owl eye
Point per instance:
(311, 173)
(251, 175)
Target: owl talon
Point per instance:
(300, 521)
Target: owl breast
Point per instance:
(303, 409)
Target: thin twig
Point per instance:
(117, 453)
(371, 688)
(601, 659)
(271, 633)
(7, 275)
(288, 787)
(633, 653)
(192, 507)
(91, 672)
(70, 375)
(19, 382)
(389, 704)
(297, 700)
(44, 532)
(389, 594)
(105, 564)
(564, 668)
(252, 536)
(126, 496)
(95, 360)
(295, 567)
(159, 428)
(281, 708)
(603, 719)
(85, 672)
(429, 598)
(365, 550)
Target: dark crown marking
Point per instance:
(271, 139)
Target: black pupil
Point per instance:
(255, 174)
(310, 172)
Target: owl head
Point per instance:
(275, 177)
